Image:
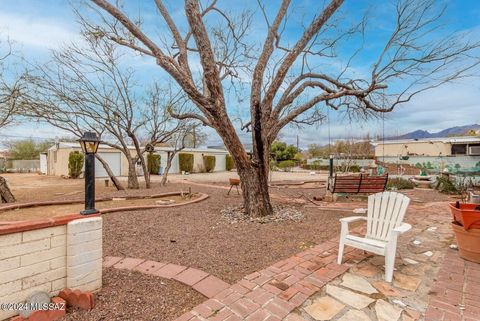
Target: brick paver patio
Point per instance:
(432, 282)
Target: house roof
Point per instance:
(162, 148)
(445, 140)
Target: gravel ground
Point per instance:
(197, 235)
(134, 296)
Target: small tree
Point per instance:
(186, 162)
(27, 149)
(8, 105)
(209, 163)
(283, 151)
(75, 164)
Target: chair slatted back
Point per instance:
(385, 212)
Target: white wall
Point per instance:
(50, 260)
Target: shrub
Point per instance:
(153, 163)
(186, 162)
(445, 185)
(286, 165)
(75, 164)
(229, 163)
(209, 163)
(316, 167)
(399, 183)
(354, 169)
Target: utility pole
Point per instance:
(297, 144)
(194, 137)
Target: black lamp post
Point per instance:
(89, 143)
(330, 167)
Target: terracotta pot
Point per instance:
(468, 242)
(466, 215)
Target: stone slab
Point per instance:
(324, 308)
(355, 300)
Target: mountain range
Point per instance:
(452, 131)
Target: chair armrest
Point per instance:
(402, 228)
(351, 219)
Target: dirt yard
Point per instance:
(31, 213)
(197, 235)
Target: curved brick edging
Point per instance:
(23, 226)
(7, 227)
(272, 293)
(202, 197)
(201, 281)
(16, 206)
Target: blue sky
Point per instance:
(37, 26)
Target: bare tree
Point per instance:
(288, 78)
(84, 87)
(186, 137)
(8, 104)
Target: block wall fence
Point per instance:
(49, 255)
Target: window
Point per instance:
(459, 149)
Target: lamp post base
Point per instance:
(89, 211)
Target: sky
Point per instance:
(36, 27)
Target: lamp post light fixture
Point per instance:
(89, 143)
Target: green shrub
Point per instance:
(399, 183)
(75, 164)
(445, 185)
(229, 163)
(209, 163)
(186, 162)
(153, 163)
(286, 165)
(354, 169)
(316, 167)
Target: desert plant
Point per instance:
(399, 183)
(209, 163)
(445, 185)
(229, 163)
(286, 165)
(186, 162)
(75, 164)
(153, 163)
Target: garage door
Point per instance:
(220, 163)
(114, 161)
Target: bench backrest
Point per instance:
(385, 212)
(363, 183)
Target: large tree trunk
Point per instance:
(254, 179)
(6, 195)
(256, 199)
(132, 174)
(114, 180)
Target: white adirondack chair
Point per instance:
(384, 224)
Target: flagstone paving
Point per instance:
(311, 286)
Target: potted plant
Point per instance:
(466, 226)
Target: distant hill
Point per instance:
(452, 131)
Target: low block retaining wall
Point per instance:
(34, 257)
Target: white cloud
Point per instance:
(34, 31)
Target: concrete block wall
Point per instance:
(84, 254)
(50, 259)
